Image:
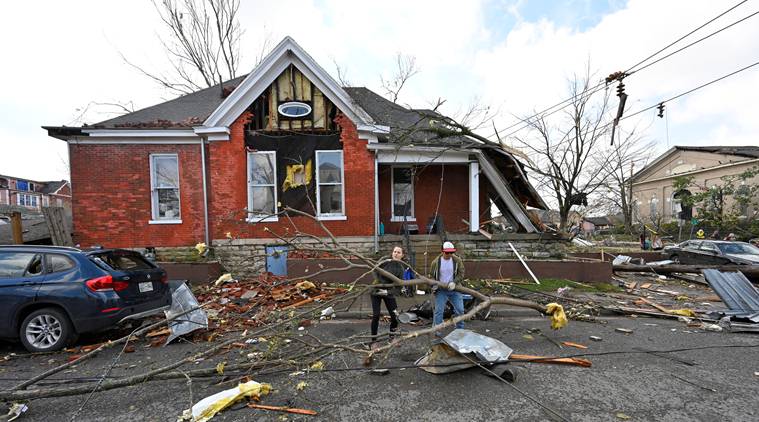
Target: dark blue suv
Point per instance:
(49, 295)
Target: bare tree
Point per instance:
(109, 109)
(202, 44)
(624, 158)
(342, 73)
(567, 152)
(405, 70)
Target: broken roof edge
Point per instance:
(536, 196)
(64, 133)
(537, 200)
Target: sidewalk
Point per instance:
(362, 308)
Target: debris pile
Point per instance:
(237, 305)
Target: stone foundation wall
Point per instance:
(247, 257)
(179, 254)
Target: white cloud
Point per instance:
(67, 57)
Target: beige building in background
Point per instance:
(652, 186)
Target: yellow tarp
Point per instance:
(558, 317)
(297, 175)
(208, 407)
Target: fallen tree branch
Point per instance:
(16, 394)
(99, 349)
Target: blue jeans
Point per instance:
(456, 299)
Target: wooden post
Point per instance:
(18, 234)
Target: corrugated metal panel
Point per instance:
(734, 289)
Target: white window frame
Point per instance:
(155, 219)
(400, 218)
(653, 206)
(331, 216)
(27, 200)
(256, 218)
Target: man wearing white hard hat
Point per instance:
(447, 268)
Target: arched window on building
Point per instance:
(654, 206)
(636, 210)
(681, 207)
(743, 199)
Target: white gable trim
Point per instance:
(654, 163)
(213, 133)
(283, 55)
(393, 154)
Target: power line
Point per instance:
(694, 42)
(690, 90)
(684, 36)
(596, 88)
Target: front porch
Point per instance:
(419, 195)
(420, 187)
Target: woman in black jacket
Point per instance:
(396, 267)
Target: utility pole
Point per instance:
(18, 234)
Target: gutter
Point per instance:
(376, 204)
(206, 234)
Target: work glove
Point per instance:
(451, 286)
(380, 292)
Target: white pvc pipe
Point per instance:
(524, 263)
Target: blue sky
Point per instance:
(511, 56)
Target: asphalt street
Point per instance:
(693, 376)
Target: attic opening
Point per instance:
(292, 103)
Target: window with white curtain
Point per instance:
(330, 192)
(164, 187)
(262, 185)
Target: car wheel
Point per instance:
(46, 330)
(675, 259)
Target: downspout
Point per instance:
(207, 237)
(376, 203)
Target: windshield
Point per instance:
(123, 261)
(738, 248)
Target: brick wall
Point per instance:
(454, 202)
(247, 257)
(111, 196)
(229, 198)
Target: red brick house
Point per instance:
(31, 195)
(227, 159)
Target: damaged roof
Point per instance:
(52, 187)
(185, 111)
(741, 151)
(411, 127)
(406, 125)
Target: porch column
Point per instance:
(474, 196)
